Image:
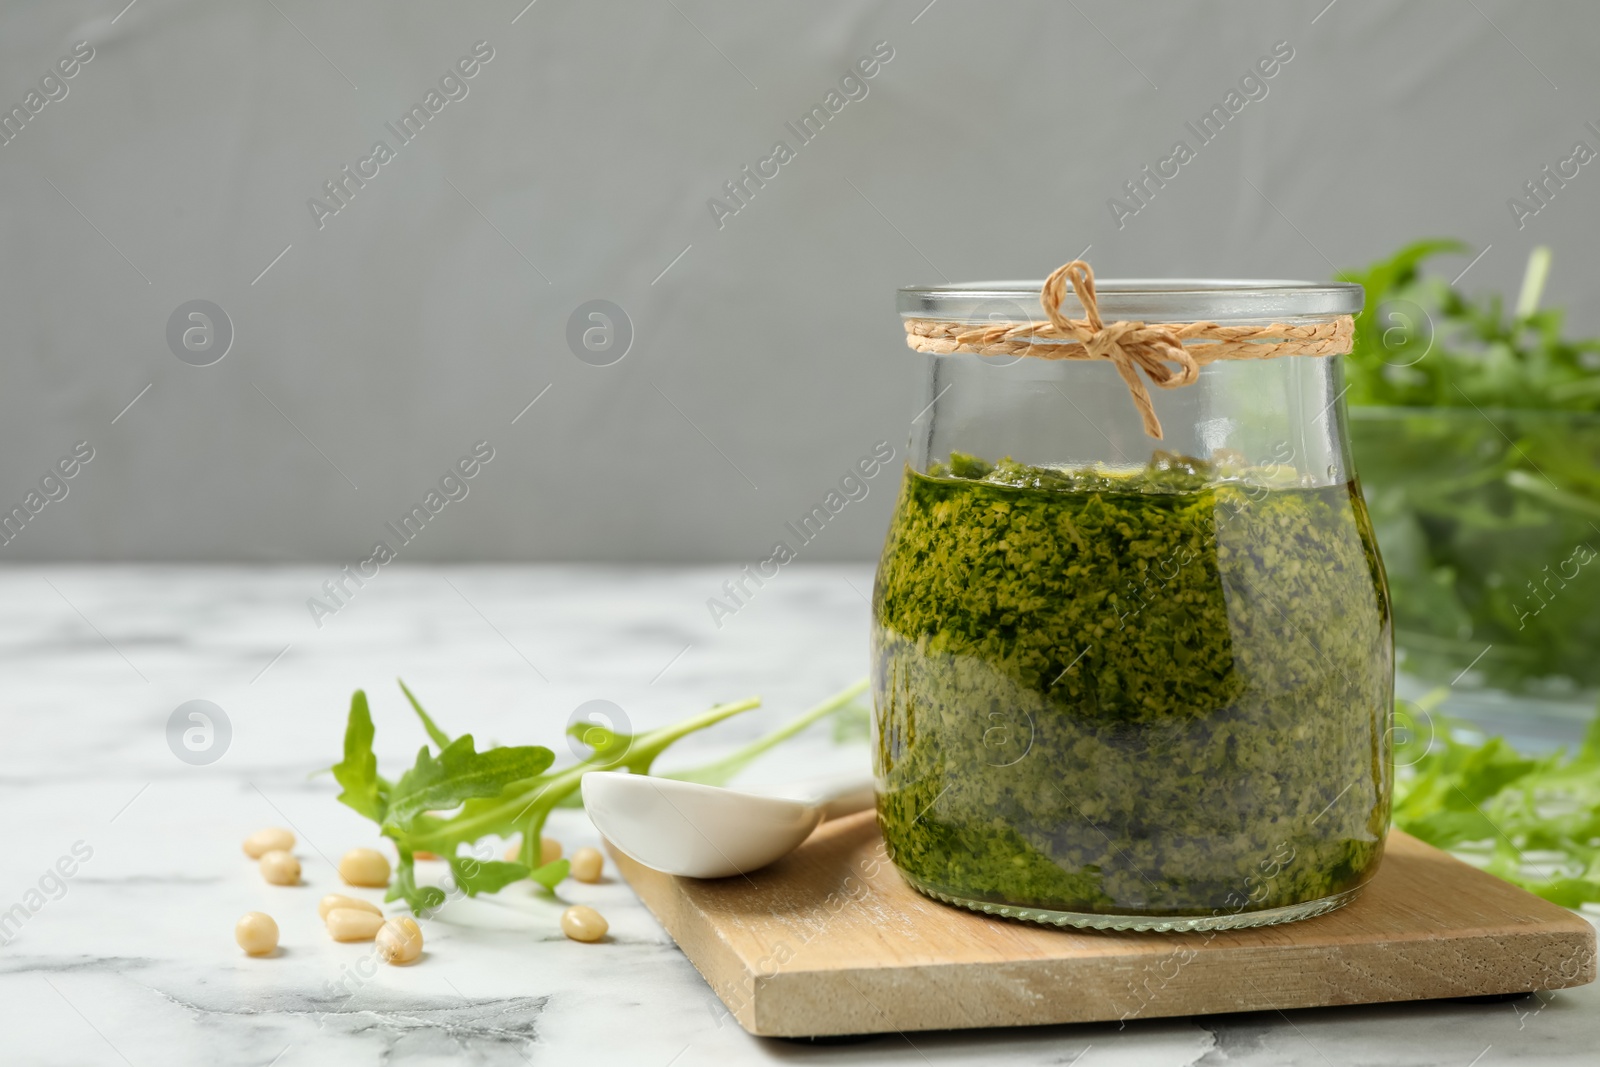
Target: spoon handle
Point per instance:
(837, 795)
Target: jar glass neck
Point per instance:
(1280, 420)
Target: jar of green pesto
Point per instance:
(1131, 650)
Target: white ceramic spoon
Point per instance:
(704, 831)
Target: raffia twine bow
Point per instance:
(1131, 347)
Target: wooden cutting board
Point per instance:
(830, 940)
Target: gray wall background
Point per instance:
(766, 356)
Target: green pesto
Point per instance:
(1159, 694)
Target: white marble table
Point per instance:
(132, 959)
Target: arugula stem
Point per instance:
(720, 772)
(1535, 487)
(1533, 279)
(638, 756)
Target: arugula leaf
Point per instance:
(403, 886)
(551, 874)
(1588, 757)
(1568, 892)
(440, 738)
(1445, 828)
(1490, 769)
(364, 791)
(484, 876)
(1532, 821)
(459, 773)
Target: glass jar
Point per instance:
(1124, 683)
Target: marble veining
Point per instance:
(130, 958)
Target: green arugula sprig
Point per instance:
(1533, 821)
(1474, 427)
(458, 795)
(1420, 342)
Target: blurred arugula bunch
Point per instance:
(1533, 821)
(1420, 342)
(457, 795)
(1476, 435)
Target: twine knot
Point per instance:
(1129, 346)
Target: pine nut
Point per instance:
(273, 838)
(280, 868)
(353, 924)
(256, 933)
(583, 923)
(400, 940)
(364, 867)
(336, 900)
(587, 863)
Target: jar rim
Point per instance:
(1141, 300)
